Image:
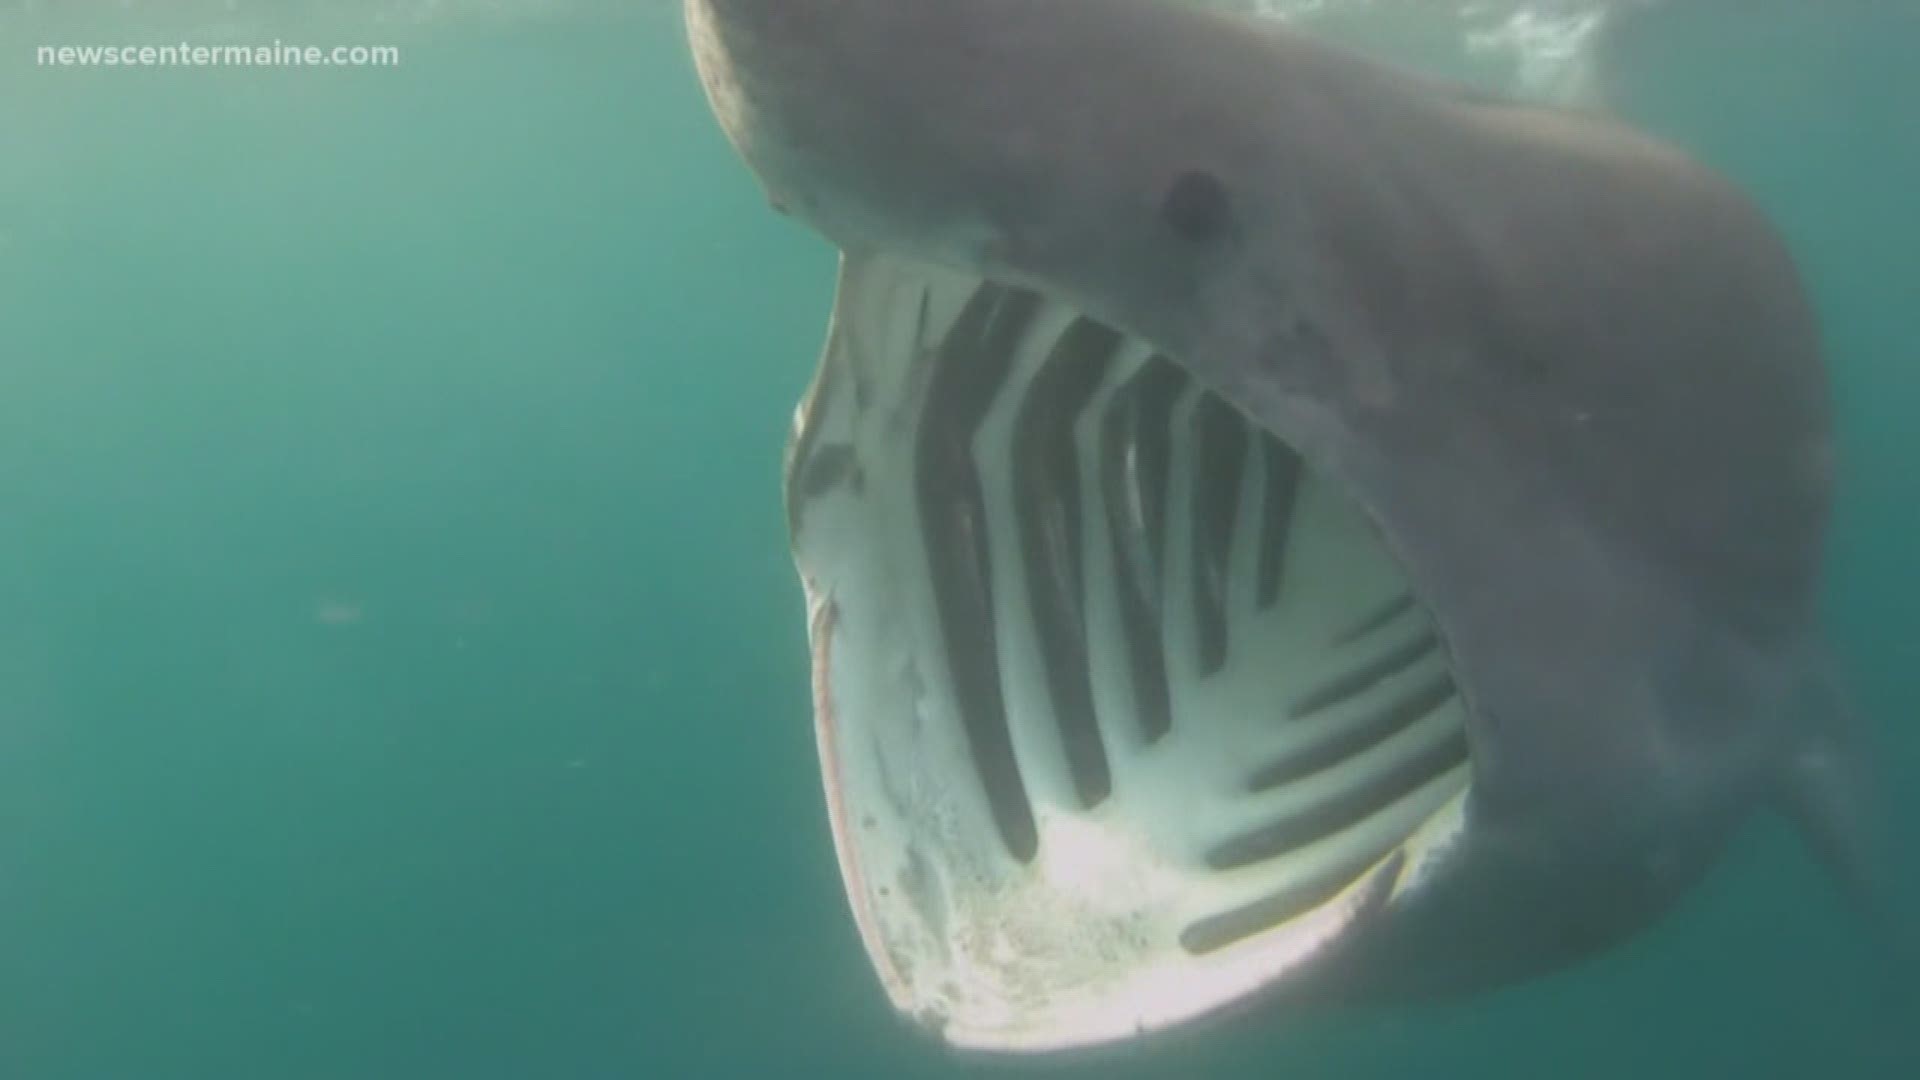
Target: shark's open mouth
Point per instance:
(1124, 712)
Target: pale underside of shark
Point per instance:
(1273, 528)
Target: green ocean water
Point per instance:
(402, 675)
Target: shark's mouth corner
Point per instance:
(1125, 714)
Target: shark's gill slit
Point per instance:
(1216, 932)
(1119, 686)
(1220, 455)
(968, 371)
(1348, 684)
(1134, 459)
(1375, 782)
(1047, 503)
(1377, 619)
(1276, 510)
(1336, 744)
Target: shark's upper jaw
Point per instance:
(1124, 713)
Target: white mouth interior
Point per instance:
(1124, 715)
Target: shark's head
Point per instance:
(1238, 507)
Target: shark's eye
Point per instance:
(1197, 206)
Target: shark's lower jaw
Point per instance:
(1125, 715)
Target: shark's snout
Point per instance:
(976, 136)
(804, 91)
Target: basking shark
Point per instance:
(1274, 528)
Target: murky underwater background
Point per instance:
(401, 672)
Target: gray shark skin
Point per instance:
(1566, 378)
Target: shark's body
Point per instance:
(1273, 524)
